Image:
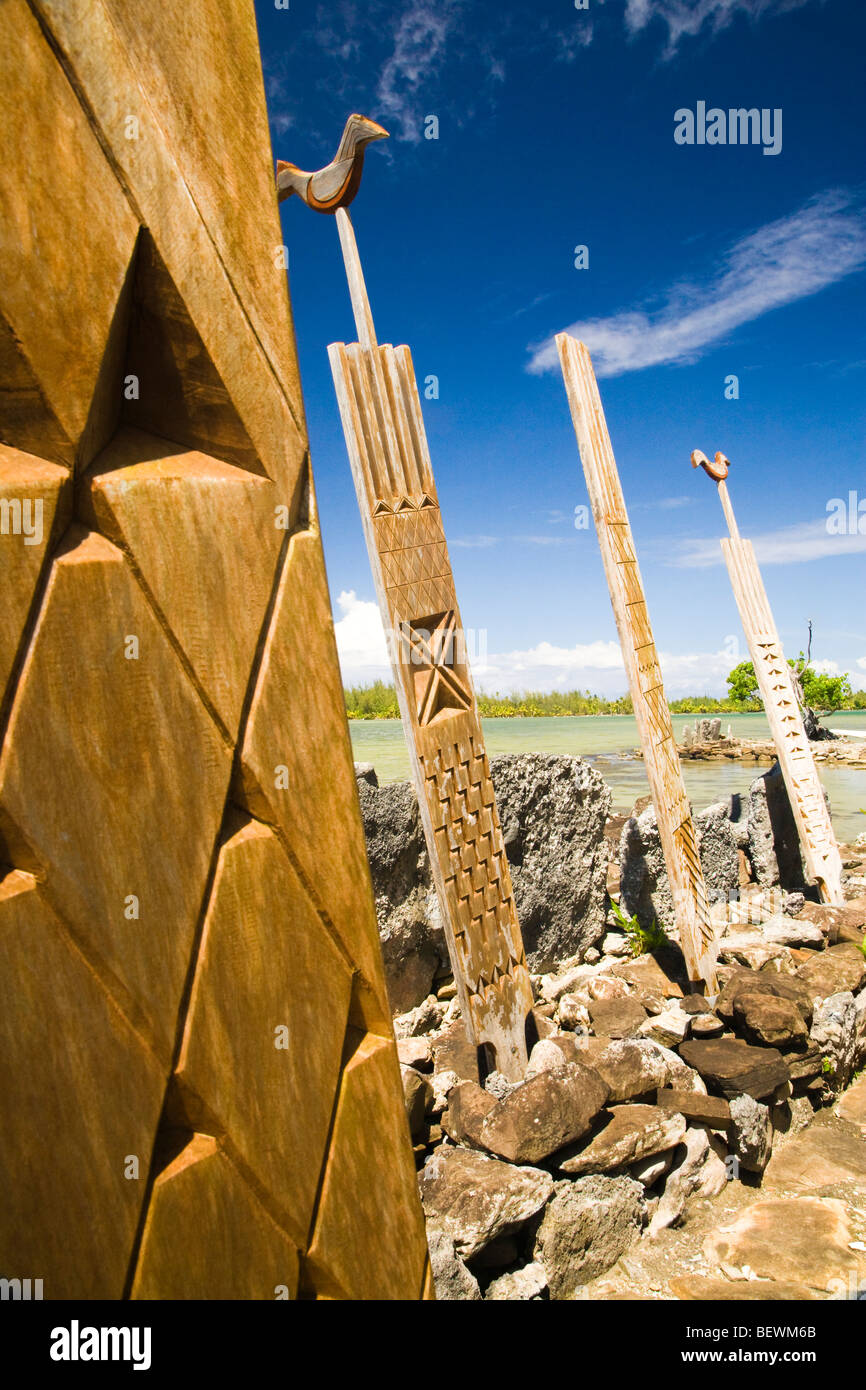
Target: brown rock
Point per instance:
(569, 1047)
(547, 1112)
(764, 1018)
(617, 1018)
(735, 1067)
(826, 1153)
(468, 1105)
(703, 1110)
(649, 974)
(707, 1026)
(415, 1052)
(695, 1004)
(629, 1132)
(810, 1248)
(634, 1066)
(836, 971)
(844, 922)
(852, 1106)
(452, 1051)
(605, 987)
(804, 1065)
(767, 983)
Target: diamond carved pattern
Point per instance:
(144, 637)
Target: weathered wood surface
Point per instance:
(805, 793)
(200, 1093)
(387, 447)
(673, 811)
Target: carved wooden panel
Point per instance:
(673, 812)
(200, 1093)
(387, 447)
(805, 792)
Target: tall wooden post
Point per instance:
(806, 795)
(387, 447)
(672, 808)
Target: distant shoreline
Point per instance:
(355, 718)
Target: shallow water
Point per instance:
(608, 742)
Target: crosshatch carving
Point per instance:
(385, 438)
(439, 672)
(782, 708)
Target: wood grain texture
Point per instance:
(387, 447)
(806, 795)
(187, 926)
(673, 811)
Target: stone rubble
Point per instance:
(645, 1104)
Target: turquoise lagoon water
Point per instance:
(608, 742)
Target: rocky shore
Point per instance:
(659, 1138)
(704, 742)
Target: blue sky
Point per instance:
(556, 129)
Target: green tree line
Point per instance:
(823, 693)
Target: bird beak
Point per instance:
(369, 130)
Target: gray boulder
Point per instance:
(751, 1133)
(834, 1032)
(451, 1278)
(553, 812)
(644, 886)
(410, 928)
(586, 1226)
(774, 845)
(477, 1199)
(526, 1285)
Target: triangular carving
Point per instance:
(203, 538)
(28, 422)
(179, 392)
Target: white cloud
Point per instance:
(826, 668)
(360, 640)
(597, 666)
(778, 264)
(685, 18)
(861, 662)
(419, 42)
(789, 545)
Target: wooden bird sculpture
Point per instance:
(718, 471)
(335, 186)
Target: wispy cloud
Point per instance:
(790, 545)
(475, 542)
(546, 540)
(780, 263)
(686, 18)
(663, 504)
(420, 39)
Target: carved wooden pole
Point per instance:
(673, 812)
(387, 447)
(806, 795)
